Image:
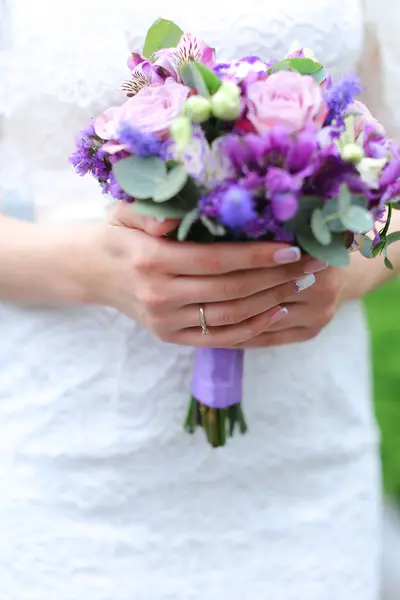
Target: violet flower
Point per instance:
(140, 143)
(236, 208)
(340, 97)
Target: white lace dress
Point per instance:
(102, 496)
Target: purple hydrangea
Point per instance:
(340, 97)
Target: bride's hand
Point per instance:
(162, 283)
(308, 312)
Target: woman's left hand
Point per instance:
(309, 311)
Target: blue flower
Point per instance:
(236, 209)
(140, 143)
(340, 97)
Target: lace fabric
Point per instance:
(103, 496)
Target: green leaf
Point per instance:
(366, 250)
(171, 185)
(138, 176)
(388, 264)
(393, 237)
(301, 221)
(320, 76)
(214, 228)
(166, 210)
(320, 228)
(162, 34)
(193, 78)
(358, 220)
(330, 211)
(305, 66)
(344, 200)
(211, 80)
(335, 254)
(188, 220)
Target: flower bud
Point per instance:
(181, 132)
(198, 109)
(371, 169)
(352, 153)
(226, 103)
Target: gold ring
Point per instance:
(203, 323)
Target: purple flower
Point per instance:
(140, 143)
(88, 156)
(236, 208)
(340, 97)
(283, 190)
(301, 150)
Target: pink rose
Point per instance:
(152, 110)
(364, 117)
(285, 98)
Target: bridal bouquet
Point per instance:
(244, 150)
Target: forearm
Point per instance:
(41, 265)
(364, 275)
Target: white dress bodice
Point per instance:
(103, 497)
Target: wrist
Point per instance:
(44, 265)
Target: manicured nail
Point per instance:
(160, 219)
(304, 282)
(287, 255)
(280, 314)
(313, 266)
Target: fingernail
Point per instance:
(280, 314)
(287, 255)
(313, 266)
(304, 282)
(160, 219)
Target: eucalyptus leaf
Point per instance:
(319, 228)
(358, 220)
(162, 34)
(335, 254)
(366, 250)
(171, 185)
(331, 214)
(214, 228)
(186, 224)
(138, 176)
(166, 210)
(193, 78)
(393, 237)
(301, 221)
(344, 200)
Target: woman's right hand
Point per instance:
(162, 283)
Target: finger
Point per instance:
(227, 337)
(171, 257)
(123, 214)
(220, 314)
(278, 338)
(239, 285)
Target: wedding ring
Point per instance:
(203, 323)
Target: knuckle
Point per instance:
(210, 262)
(146, 257)
(152, 298)
(234, 288)
(328, 313)
(168, 337)
(229, 316)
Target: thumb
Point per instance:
(123, 215)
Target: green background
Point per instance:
(384, 319)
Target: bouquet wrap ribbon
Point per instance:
(218, 377)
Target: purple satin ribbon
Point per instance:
(218, 377)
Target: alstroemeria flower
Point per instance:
(189, 49)
(143, 74)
